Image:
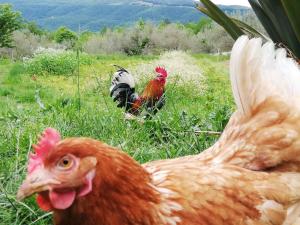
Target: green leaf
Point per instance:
(245, 27)
(275, 11)
(292, 10)
(211, 10)
(265, 20)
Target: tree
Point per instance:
(103, 30)
(164, 23)
(10, 21)
(200, 26)
(63, 34)
(34, 28)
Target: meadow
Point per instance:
(198, 98)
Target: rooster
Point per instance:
(235, 182)
(152, 99)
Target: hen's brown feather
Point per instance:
(119, 195)
(228, 195)
(267, 138)
(184, 193)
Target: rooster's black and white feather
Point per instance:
(122, 88)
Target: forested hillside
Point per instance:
(96, 14)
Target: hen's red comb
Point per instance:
(47, 141)
(161, 71)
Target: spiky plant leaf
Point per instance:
(265, 20)
(275, 11)
(291, 8)
(278, 17)
(220, 17)
(248, 29)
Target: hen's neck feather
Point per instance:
(121, 194)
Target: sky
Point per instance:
(232, 2)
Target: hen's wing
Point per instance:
(224, 195)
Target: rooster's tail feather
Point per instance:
(122, 88)
(122, 76)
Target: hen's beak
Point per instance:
(38, 181)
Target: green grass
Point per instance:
(169, 134)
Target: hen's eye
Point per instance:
(65, 163)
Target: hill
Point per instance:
(96, 14)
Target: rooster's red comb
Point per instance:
(162, 71)
(49, 138)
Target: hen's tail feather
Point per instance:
(259, 71)
(264, 133)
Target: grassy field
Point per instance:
(30, 103)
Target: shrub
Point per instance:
(34, 28)
(26, 43)
(199, 26)
(136, 39)
(172, 37)
(147, 38)
(54, 62)
(110, 42)
(141, 39)
(66, 36)
(213, 40)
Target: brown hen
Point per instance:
(84, 181)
